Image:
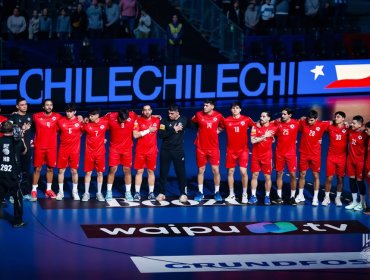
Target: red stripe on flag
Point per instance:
(350, 83)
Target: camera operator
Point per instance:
(11, 149)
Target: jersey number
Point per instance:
(311, 133)
(6, 168)
(338, 137)
(236, 129)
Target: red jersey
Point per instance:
(286, 135)
(367, 160)
(357, 145)
(338, 140)
(207, 136)
(236, 132)
(70, 134)
(95, 136)
(121, 133)
(263, 149)
(311, 136)
(2, 119)
(46, 130)
(148, 143)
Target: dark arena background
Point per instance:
(317, 63)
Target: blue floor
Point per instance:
(118, 240)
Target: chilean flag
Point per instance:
(339, 76)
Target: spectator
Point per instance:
(251, 19)
(267, 16)
(45, 25)
(235, 14)
(296, 13)
(112, 19)
(311, 12)
(16, 25)
(95, 18)
(34, 26)
(281, 14)
(129, 12)
(63, 25)
(143, 27)
(79, 22)
(174, 39)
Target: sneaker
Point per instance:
(277, 200)
(100, 197)
(338, 202)
(183, 198)
(326, 201)
(160, 197)
(151, 196)
(360, 207)
(18, 225)
(60, 196)
(300, 198)
(129, 197)
(109, 196)
(293, 201)
(85, 197)
(315, 202)
(137, 196)
(218, 197)
(27, 197)
(267, 200)
(352, 205)
(231, 197)
(253, 200)
(11, 199)
(75, 196)
(33, 196)
(367, 211)
(245, 198)
(199, 197)
(50, 194)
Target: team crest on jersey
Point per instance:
(242, 123)
(317, 128)
(28, 119)
(128, 119)
(102, 127)
(344, 131)
(154, 124)
(53, 118)
(77, 124)
(6, 150)
(292, 126)
(359, 137)
(215, 119)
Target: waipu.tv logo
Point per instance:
(278, 227)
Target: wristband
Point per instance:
(144, 132)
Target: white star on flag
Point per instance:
(318, 71)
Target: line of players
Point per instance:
(348, 149)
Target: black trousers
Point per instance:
(10, 185)
(178, 159)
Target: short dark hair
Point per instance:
(122, 114)
(367, 125)
(312, 114)
(70, 107)
(358, 118)
(20, 99)
(173, 107)
(288, 110)
(209, 101)
(94, 111)
(340, 113)
(46, 100)
(268, 113)
(235, 103)
(6, 127)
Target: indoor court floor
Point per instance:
(207, 240)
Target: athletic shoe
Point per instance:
(50, 194)
(151, 196)
(315, 202)
(183, 198)
(199, 197)
(367, 211)
(253, 200)
(100, 197)
(160, 197)
(352, 205)
(128, 196)
(75, 196)
(27, 197)
(18, 225)
(109, 196)
(277, 200)
(293, 201)
(218, 197)
(85, 197)
(11, 199)
(360, 207)
(267, 200)
(300, 198)
(245, 198)
(326, 201)
(33, 196)
(60, 196)
(137, 196)
(231, 197)
(338, 202)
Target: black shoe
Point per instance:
(367, 211)
(277, 200)
(292, 201)
(18, 225)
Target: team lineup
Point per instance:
(348, 153)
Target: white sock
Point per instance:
(301, 192)
(87, 187)
(109, 187)
(354, 197)
(280, 193)
(74, 187)
(254, 192)
(60, 187)
(327, 194)
(362, 199)
(128, 188)
(200, 188)
(339, 194)
(151, 189)
(48, 186)
(137, 188)
(34, 187)
(232, 192)
(217, 189)
(292, 193)
(100, 186)
(267, 193)
(315, 194)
